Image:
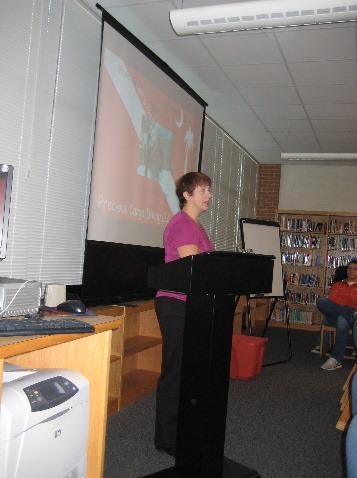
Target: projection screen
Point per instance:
(148, 133)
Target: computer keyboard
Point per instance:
(42, 326)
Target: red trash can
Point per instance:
(247, 356)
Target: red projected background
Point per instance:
(148, 134)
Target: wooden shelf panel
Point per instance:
(115, 358)
(136, 384)
(139, 343)
(113, 405)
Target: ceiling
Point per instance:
(281, 90)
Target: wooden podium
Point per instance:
(211, 281)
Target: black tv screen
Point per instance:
(117, 273)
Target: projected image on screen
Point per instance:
(148, 134)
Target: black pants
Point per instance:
(171, 316)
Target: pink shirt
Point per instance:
(181, 231)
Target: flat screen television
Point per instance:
(116, 273)
(6, 174)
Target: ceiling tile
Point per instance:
(280, 112)
(334, 145)
(287, 124)
(276, 95)
(334, 125)
(259, 136)
(244, 125)
(315, 94)
(324, 72)
(228, 113)
(321, 43)
(209, 76)
(223, 97)
(338, 141)
(301, 141)
(243, 48)
(251, 145)
(199, 3)
(347, 136)
(269, 74)
(331, 111)
(106, 4)
(182, 52)
(266, 157)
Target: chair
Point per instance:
(332, 331)
(351, 437)
(332, 336)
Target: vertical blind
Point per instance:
(48, 86)
(234, 177)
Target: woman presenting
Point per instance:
(183, 236)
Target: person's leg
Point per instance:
(171, 317)
(329, 308)
(342, 332)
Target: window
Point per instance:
(234, 176)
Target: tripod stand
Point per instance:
(287, 321)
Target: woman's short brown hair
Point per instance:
(188, 183)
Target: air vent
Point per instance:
(255, 14)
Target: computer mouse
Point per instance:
(73, 306)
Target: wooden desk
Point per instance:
(88, 354)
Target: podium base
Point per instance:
(231, 469)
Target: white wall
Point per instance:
(49, 60)
(318, 188)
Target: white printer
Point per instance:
(43, 423)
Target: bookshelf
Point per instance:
(135, 360)
(313, 245)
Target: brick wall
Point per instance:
(268, 191)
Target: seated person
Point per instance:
(340, 311)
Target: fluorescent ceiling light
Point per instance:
(319, 156)
(260, 14)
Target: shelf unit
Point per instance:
(313, 244)
(135, 361)
(142, 352)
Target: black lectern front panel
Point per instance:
(216, 272)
